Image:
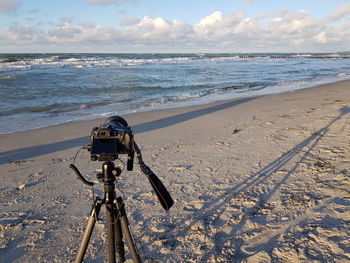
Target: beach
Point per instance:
(254, 179)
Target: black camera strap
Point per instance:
(162, 193)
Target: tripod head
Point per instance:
(116, 137)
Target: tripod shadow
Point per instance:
(221, 202)
(38, 150)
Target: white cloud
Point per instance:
(158, 29)
(322, 37)
(247, 27)
(294, 31)
(63, 33)
(283, 31)
(7, 6)
(79, 33)
(218, 25)
(290, 24)
(21, 34)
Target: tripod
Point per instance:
(107, 141)
(117, 221)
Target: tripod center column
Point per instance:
(109, 179)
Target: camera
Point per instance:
(114, 137)
(110, 139)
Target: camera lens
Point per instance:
(118, 121)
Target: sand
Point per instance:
(262, 179)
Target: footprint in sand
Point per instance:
(230, 212)
(268, 123)
(221, 219)
(193, 206)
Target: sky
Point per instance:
(174, 26)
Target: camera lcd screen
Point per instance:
(104, 146)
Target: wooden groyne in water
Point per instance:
(295, 56)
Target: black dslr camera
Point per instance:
(112, 138)
(115, 137)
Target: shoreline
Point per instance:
(261, 178)
(174, 107)
(72, 133)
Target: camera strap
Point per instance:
(162, 193)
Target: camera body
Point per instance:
(107, 141)
(110, 139)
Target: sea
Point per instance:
(39, 90)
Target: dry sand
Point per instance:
(262, 179)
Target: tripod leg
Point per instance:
(119, 239)
(111, 220)
(88, 231)
(125, 227)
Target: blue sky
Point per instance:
(174, 26)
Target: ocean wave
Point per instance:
(5, 78)
(343, 75)
(28, 109)
(54, 108)
(27, 62)
(287, 83)
(203, 93)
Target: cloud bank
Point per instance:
(283, 31)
